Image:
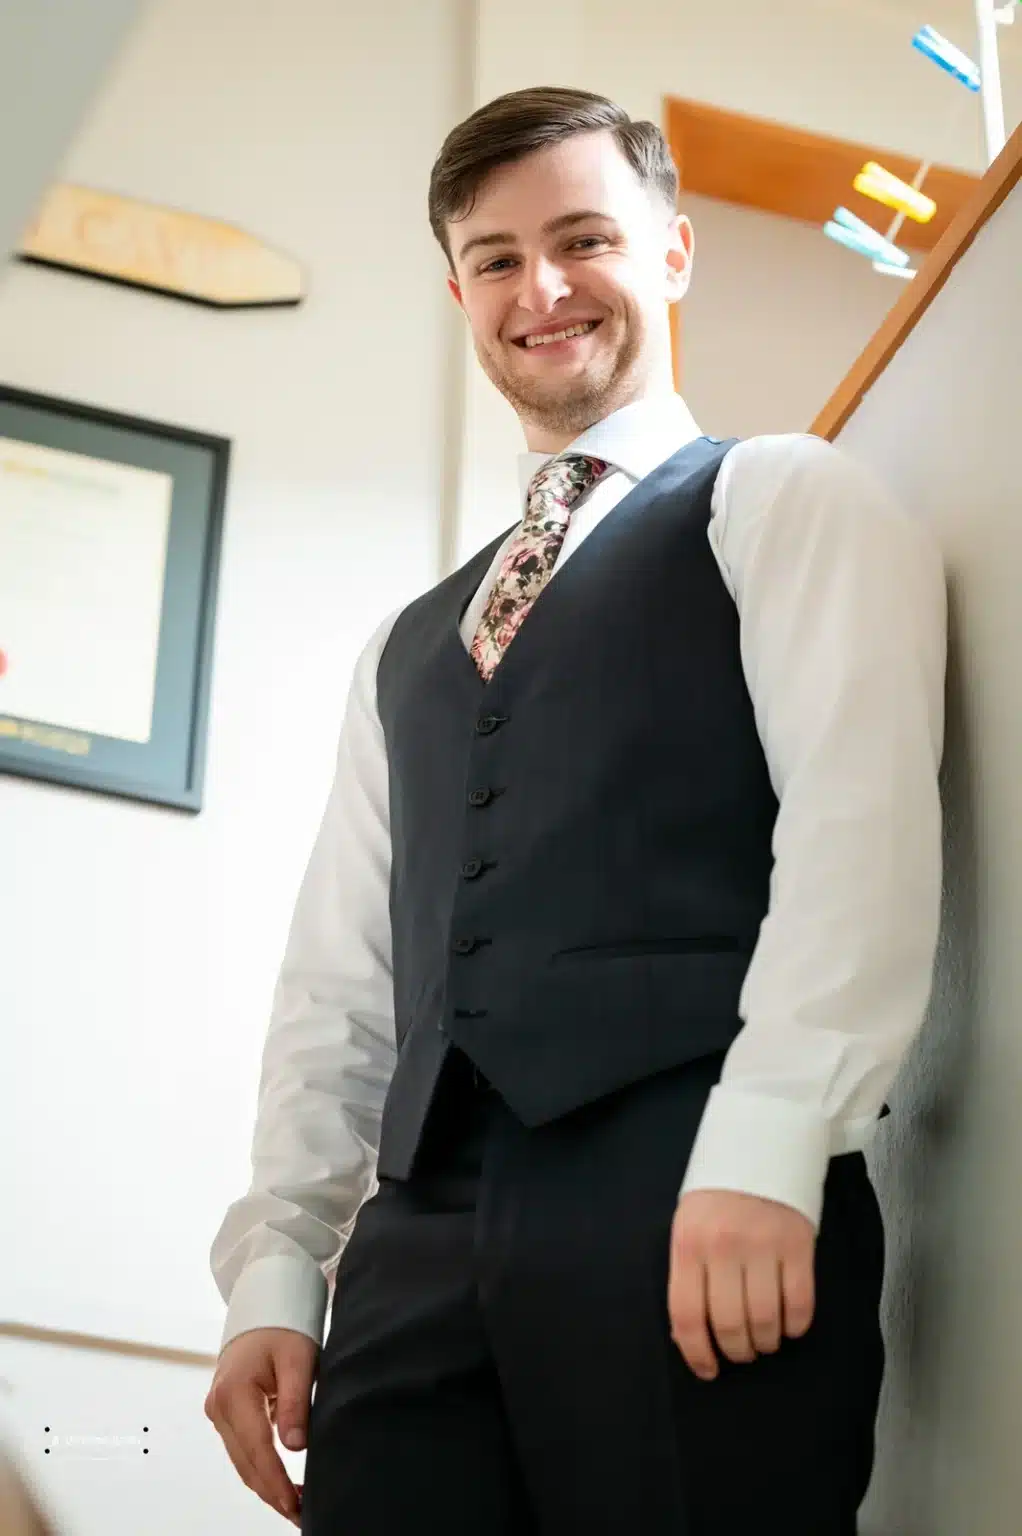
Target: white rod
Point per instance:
(990, 79)
(917, 182)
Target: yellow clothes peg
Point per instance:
(873, 181)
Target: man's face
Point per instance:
(566, 238)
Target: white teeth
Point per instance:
(572, 330)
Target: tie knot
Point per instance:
(559, 484)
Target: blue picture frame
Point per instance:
(168, 769)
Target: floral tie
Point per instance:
(526, 568)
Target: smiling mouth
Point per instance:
(530, 343)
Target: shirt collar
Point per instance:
(634, 439)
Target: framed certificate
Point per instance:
(110, 532)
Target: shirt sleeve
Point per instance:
(843, 622)
(329, 1052)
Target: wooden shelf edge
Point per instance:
(68, 1340)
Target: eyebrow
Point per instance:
(551, 227)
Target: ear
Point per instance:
(454, 289)
(680, 254)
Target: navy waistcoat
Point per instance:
(582, 846)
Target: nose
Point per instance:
(542, 285)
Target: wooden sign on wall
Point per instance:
(182, 255)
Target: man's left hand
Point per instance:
(743, 1268)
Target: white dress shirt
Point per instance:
(842, 617)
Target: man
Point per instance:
(620, 920)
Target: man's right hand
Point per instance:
(264, 1377)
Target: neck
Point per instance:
(540, 437)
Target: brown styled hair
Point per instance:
(515, 125)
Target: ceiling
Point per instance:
(916, 10)
(957, 16)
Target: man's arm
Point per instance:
(329, 1051)
(842, 607)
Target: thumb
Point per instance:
(291, 1422)
(293, 1394)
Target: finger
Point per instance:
(296, 1518)
(799, 1290)
(764, 1304)
(239, 1460)
(725, 1304)
(289, 1409)
(248, 1437)
(283, 1501)
(686, 1305)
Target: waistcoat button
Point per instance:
(465, 946)
(480, 797)
(472, 868)
(487, 723)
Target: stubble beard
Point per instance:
(569, 406)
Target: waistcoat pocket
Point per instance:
(695, 944)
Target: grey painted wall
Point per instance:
(942, 425)
(53, 55)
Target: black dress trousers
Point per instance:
(499, 1362)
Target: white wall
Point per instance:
(69, 44)
(761, 286)
(147, 940)
(140, 946)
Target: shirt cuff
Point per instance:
(277, 1292)
(757, 1145)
